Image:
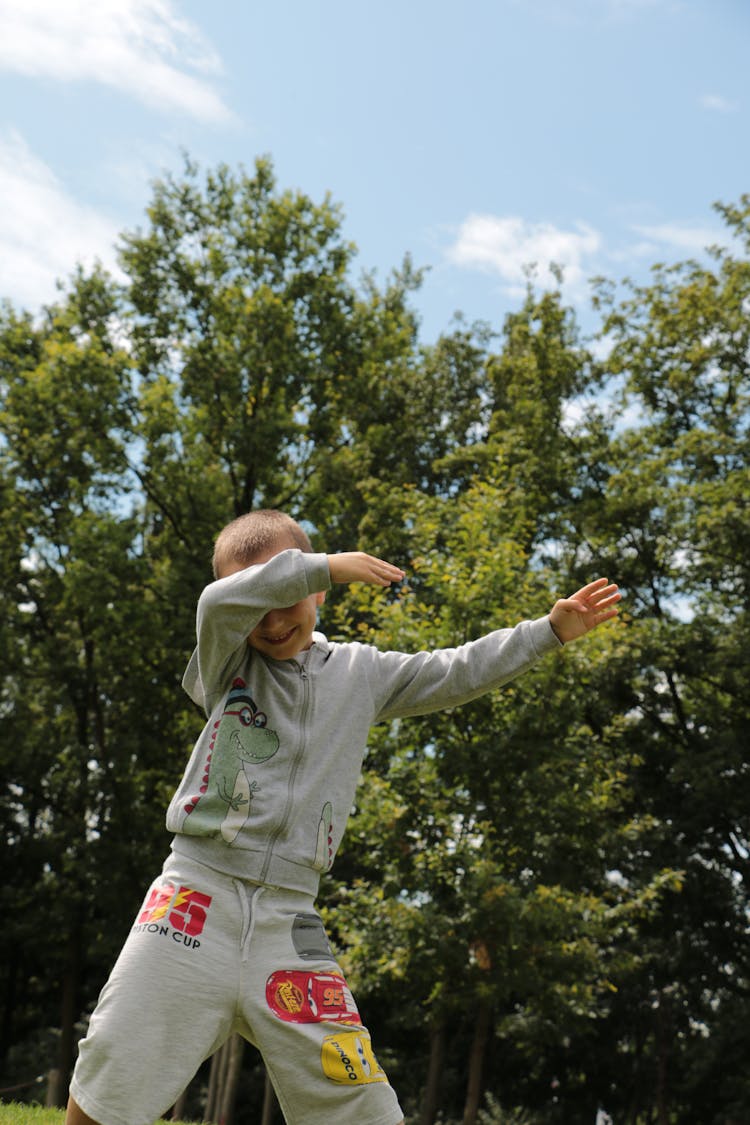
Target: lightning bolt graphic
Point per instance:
(160, 910)
(169, 901)
(182, 896)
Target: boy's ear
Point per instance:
(320, 597)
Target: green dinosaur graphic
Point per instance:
(240, 738)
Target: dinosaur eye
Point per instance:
(260, 719)
(246, 717)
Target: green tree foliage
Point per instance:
(671, 503)
(541, 895)
(477, 869)
(78, 754)
(241, 330)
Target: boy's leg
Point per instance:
(76, 1116)
(168, 1004)
(300, 1012)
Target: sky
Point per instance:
(480, 137)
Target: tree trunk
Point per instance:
(178, 1109)
(476, 1064)
(663, 1030)
(52, 1094)
(269, 1103)
(235, 1047)
(223, 1078)
(57, 1093)
(14, 977)
(431, 1102)
(216, 1075)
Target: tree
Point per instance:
(474, 885)
(565, 858)
(77, 730)
(665, 506)
(234, 369)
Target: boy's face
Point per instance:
(282, 633)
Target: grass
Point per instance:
(17, 1114)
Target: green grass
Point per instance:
(16, 1114)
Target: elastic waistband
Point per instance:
(241, 863)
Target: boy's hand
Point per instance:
(356, 566)
(573, 617)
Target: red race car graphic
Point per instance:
(299, 997)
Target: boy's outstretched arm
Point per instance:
(356, 566)
(570, 617)
(575, 616)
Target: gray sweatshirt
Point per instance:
(271, 780)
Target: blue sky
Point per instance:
(477, 136)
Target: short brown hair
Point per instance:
(255, 533)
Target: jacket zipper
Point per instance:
(282, 825)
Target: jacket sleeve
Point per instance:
(431, 681)
(230, 608)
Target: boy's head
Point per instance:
(254, 537)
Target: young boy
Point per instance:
(228, 938)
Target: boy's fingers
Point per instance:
(394, 573)
(357, 566)
(591, 587)
(607, 591)
(380, 571)
(598, 591)
(606, 600)
(607, 604)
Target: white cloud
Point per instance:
(682, 237)
(719, 104)
(509, 246)
(44, 233)
(141, 47)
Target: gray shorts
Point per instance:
(209, 955)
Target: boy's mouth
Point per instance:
(281, 638)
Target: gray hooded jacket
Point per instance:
(271, 780)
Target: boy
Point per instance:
(228, 938)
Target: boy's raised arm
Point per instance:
(594, 603)
(356, 566)
(570, 618)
